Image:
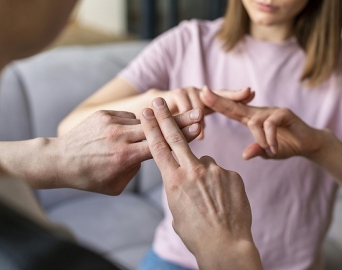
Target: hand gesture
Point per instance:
(181, 100)
(104, 152)
(209, 205)
(278, 132)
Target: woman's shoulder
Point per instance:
(189, 31)
(199, 27)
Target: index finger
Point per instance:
(158, 146)
(232, 109)
(163, 133)
(172, 134)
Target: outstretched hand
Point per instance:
(278, 132)
(104, 152)
(205, 199)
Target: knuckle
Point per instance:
(114, 133)
(208, 159)
(164, 114)
(192, 90)
(253, 122)
(160, 147)
(237, 180)
(229, 108)
(104, 117)
(174, 138)
(178, 91)
(268, 124)
(283, 111)
(199, 170)
(216, 171)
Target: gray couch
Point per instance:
(37, 93)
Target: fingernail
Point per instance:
(274, 150)
(195, 114)
(194, 128)
(158, 103)
(148, 113)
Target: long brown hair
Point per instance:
(317, 29)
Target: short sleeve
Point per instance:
(153, 66)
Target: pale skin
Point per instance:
(102, 154)
(104, 151)
(280, 134)
(272, 20)
(120, 95)
(214, 217)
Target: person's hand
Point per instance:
(278, 132)
(210, 209)
(105, 151)
(181, 100)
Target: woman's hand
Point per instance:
(181, 100)
(278, 132)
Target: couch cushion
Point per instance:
(15, 120)
(55, 82)
(111, 225)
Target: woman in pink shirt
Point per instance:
(288, 52)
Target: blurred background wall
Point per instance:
(102, 21)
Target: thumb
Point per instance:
(252, 151)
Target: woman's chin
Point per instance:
(264, 21)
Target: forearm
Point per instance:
(329, 156)
(132, 104)
(34, 161)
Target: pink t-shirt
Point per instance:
(291, 199)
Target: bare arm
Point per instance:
(117, 95)
(120, 95)
(101, 154)
(31, 160)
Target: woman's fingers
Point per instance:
(196, 102)
(252, 151)
(270, 128)
(189, 117)
(192, 132)
(182, 100)
(255, 125)
(226, 106)
(245, 95)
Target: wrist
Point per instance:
(43, 170)
(323, 144)
(32, 160)
(227, 253)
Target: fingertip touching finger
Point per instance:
(225, 106)
(189, 117)
(172, 134)
(157, 144)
